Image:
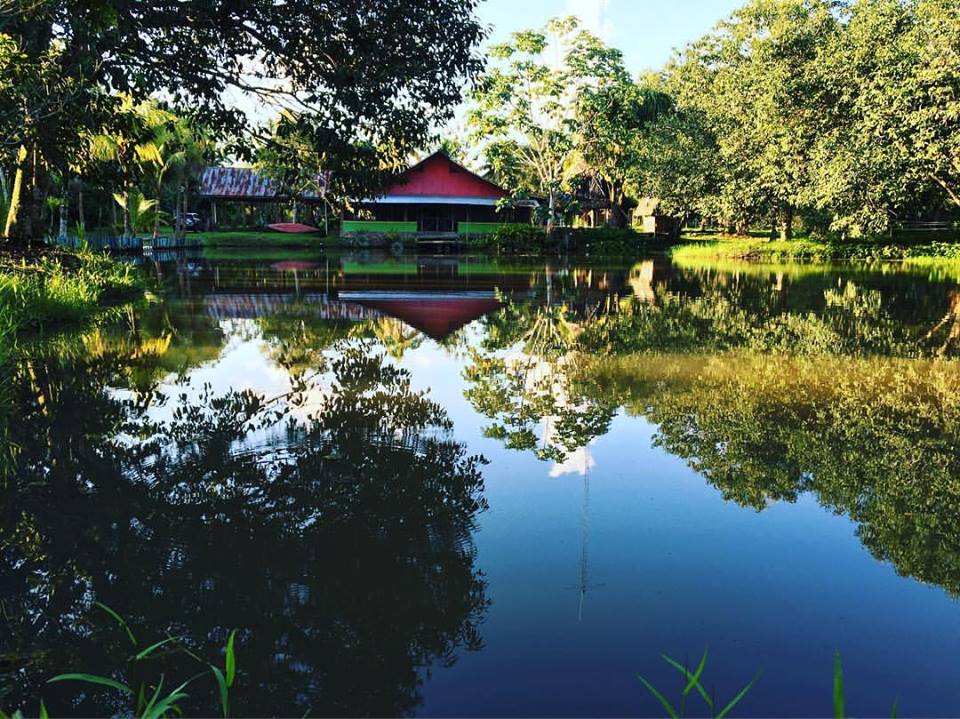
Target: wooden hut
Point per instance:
(649, 218)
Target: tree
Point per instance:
(752, 81)
(890, 145)
(611, 122)
(523, 108)
(368, 70)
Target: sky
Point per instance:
(645, 31)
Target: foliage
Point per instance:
(611, 120)
(159, 704)
(842, 112)
(600, 241)
(143, 213)
(523, 107)
(61, 288)
(515, 239)
(358, 70)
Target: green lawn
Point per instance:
(257, 239)
(913, 249)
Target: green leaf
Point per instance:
(149, 650)
(686, 673)
(44, 714)
(224, 691)
(660, 698)
(231, 661)
(92, 679)
(736, 700)
(120, 621)
(168, 703)
(893, 712)
(153, 699)
(695, 679)
(838, 709)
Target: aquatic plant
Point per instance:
(693, 683)
(159, 704)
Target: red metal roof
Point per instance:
(439, 176)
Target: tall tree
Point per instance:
(611, 119)
(752, 79)
(524, 106)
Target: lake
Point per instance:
(477, 486)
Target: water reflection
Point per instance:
(236, 511)
(333, 520)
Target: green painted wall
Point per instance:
(401, 228)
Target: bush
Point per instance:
(599, 240)
(60, 288)
(515, 239)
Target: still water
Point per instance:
(471, 486)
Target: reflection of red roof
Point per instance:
(436, 318)
(439, 176)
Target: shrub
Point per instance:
(599, 240)
(60, 288)
(514, 239)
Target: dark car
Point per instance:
(191, 221)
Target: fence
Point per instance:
(117, 243)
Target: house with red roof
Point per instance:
(436, 198)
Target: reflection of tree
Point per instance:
(339, 546)
(874, 439)
(529, 389)
(948, 327)
(396, 337)
(848, 321)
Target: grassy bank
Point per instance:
(59, 288)
(259, 240)
(808, 250)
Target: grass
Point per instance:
(909, 250)
(261, 240)
(60, 288)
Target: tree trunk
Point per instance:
(176, 215)
(14, 227)
(618, 217)
(80, 219)
(64, 212)
(550, 209)
(786, 223)
(127, 230)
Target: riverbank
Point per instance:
(693, 247)
(59, 288)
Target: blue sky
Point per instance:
(646, 31)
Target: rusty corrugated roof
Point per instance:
(242, 183)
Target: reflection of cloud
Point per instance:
(578, 462)
(595, 16)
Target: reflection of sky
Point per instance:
(672, 568)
